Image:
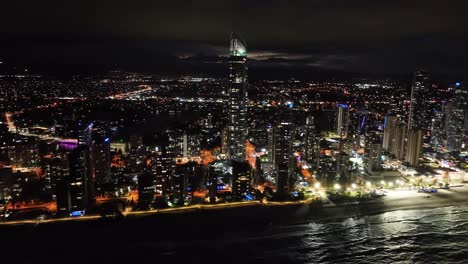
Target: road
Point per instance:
(161, 211)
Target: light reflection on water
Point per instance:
(435, 235)
(411, 236)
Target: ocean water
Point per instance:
(407, 236)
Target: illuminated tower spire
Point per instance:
(237, 109)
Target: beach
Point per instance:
(201, 230)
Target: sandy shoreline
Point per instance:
(395, 201)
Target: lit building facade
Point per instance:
(237, 109)
(311, 148)
(75, 188)
(394, 136)
(438, 135)
(342, 120)
(420, 112)
(414, 147)
(457, 120)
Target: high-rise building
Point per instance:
(163, 166)
(183, 144)
(55, 168)
(75, 189)
(389, 124)
(241, 178)
(394, 136)
(457, 119)
(311, 148)
(342, 120)
(23, 153)
(270, 143)
(282, 180)
(283, 154)
(224, 141)
(361, 123)
(191, 144)
(101, 159)
(374, 154)
(414, 146)
(283, 137)
(237, 109)
(183, 173)
(438, 135)
(136, 153)
(419, 116)
(397, 101)
(5, 180)
(146, 188)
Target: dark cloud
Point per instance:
(384, 36)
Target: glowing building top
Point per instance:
(237, 46)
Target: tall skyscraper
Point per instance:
(163, 167)
(414, 147)
(342, 120)
(388, 125)
(419, 116)
(311, 148)
(101, 158)
(55, 168)
(136, 153)
(438, 133)
(270, 143)
(75, 189)
(282, 181)
(183, 173)
(374, 153)
(237, 109)
(283, 137)
(225, 140)
(394, 136)
(457, 119)
(146, 188)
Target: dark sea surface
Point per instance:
(406, 236)
(411, 236)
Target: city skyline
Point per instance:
(234, 132)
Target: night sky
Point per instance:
(303, 37)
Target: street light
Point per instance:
(336, 186)
(354, 186)
(368, 184)
(317, 185)
(382, 182)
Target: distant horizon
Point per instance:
(257, 72)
